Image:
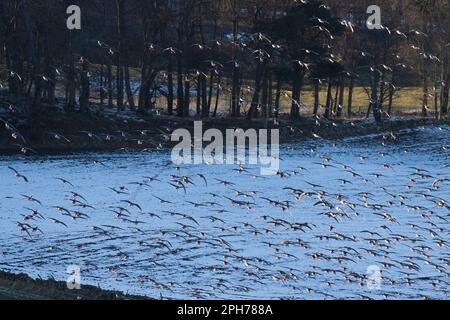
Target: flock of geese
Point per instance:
(311, 231)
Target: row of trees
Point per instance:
(196, 52)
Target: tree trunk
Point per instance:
(35, 114)
(391, 99)
(335, 101)
(391, 92)
(217, 97)
(381, 96)
(210, 92)
(187, 97)
(259, 80)
(122, 64)
(110, 85)
(329, 98)
(180, 90)
(264, 98)
(51, 84)
(119, 84)
(374, 99)
(425, 97)
(235, 87)
(143, 90)
(84, 88)
(120, 54)
(270, 95)
(70, 87)
(130, 96)
(235, 94)
(316, 96)
(199, 96)
(296, 94)
(205, 110)
(445, 97)
(350, 97)
(341, 98)
(37, 99)
(278, 97)
(437, 113)
(170, 90)
(102, 85)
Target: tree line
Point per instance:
(199, 53)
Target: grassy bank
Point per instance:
(107, 130)
(22, 287)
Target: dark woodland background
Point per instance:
(200, 57)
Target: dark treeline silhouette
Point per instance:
(204, 56)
